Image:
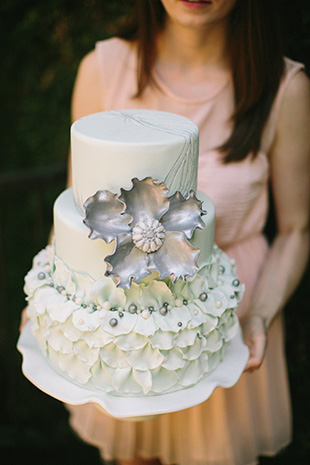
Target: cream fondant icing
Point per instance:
(157, 336)
(111, 148)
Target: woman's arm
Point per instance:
(290, 176)
(86, 98)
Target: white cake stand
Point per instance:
(36, 368)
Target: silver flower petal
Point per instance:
(105, 216)
(176, 257)
(127, 262)
(184, 214)
(146, 199)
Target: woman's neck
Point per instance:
(189, 47)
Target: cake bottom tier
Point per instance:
(154, 338)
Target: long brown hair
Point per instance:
(255, 50)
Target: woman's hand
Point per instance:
(255, 337)
(24, 319)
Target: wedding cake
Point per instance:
(133, 298)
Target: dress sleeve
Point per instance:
(291, 68)
(114, 57)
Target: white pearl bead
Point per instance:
(146, 314)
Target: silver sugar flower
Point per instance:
(150, 230)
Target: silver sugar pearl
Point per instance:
(120, 314)
(236, 282)
(163, 310)
(113, 322)
(180, 323)
(221, 269)
(185, 302)
(41, 275)
(151, 309)
(132, 308)
(203, 296)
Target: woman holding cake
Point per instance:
(212, 62)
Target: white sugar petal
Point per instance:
(70, 331)
(214, 341)
(155, 294)
(42, 299)
(102, 376)
(214, 360)
(144, 379)
(209, 325)
(58, 341)
(85, 353)
(124, 382)
(98, 338)
(186, 338)
(125, 324)
(197, 316)
(33, 282)
(41, 340)
(62, 276)
(193, 352)
(130, 341)
(191, 374)
(86, 321)
(62, 311)
(163, 380)
(162, 340)
(113, 356)
(145, 359)
(105, 290)
(74, 367)
(229, 327)
(146, 327)
(173, 359)
(84, 284)
(174, 320)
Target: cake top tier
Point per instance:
(111, 148)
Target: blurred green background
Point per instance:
(42, 43)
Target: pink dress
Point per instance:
(253, 418)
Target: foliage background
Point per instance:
(41, 47)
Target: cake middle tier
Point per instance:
(84, 255)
